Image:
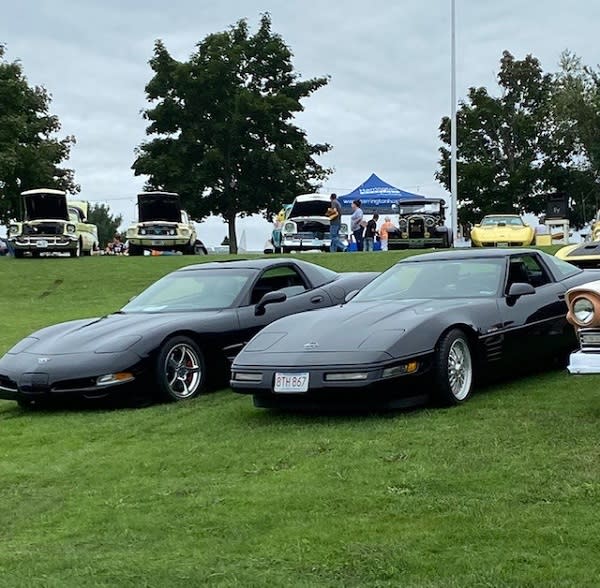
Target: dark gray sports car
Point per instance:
(423, 328)
(175, 336)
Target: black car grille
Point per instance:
(44, 229)
(416, 228)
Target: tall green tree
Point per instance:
(502, 143)
(30, 151)
(223, 127)
(108, 225)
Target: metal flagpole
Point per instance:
(453, 132)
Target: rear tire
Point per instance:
(453, 368)
(180, 370)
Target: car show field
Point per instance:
(500, 491)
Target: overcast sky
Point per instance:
(389, 64)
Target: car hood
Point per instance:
(113, 333)
(354, 327)
(159, 207)
(46, 207)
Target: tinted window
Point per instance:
(471, 278)
(561, 269)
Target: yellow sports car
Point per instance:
(585, 254)
(502, 230)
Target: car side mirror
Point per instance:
(269, 298)
(520, 289)
(350, 295)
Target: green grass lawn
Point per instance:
(502, 491)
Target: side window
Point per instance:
(284, 278)
(526, 269)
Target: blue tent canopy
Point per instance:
(376, 196)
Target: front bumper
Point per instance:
(581, 362)
(45, 243)
(162, 243)
(374, 389)
(26, 376)
(302, 243)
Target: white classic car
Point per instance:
(163, 226)
(52, 225)
(307, 225)
(583, 304)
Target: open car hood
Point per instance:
(159, 206)
(309, 209)
(46, 205)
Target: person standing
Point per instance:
(384, 230)
(370, 232)
(334, 213)
(356, 224)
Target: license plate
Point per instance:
(41, 244)
(291, 383)
(158, 242)
(503, 244)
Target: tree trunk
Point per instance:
(230, 218)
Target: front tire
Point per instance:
(453, 368)
(77, 251)
(180, 370)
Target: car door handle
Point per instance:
(316, 299)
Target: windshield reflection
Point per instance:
(191, 291)
(473, 278)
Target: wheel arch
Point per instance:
(472, 338)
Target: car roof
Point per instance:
(254, 264)
(468, 253)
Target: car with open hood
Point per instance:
(52, 224)
(174, 338)
(502, 230)
(163, 226)
(420, 224)
(426, 328)
(306, 226)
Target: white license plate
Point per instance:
(158, 242)
(503, 244)
(41, 244)
(291, 383)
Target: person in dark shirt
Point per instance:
(334, 214)
(370, 232)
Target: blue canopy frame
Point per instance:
(376, 196)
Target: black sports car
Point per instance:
(174, 336)
(421, 329)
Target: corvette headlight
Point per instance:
(71, 229)
(118, 345)
(22, 345)
(583, 310)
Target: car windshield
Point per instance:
(439, 279)
(192, 290)
(514, 221)
(414, 207)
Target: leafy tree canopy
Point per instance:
(222, 126)
(30, 152)
(108, 225)
(517, 148)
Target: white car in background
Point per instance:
(162, 226)
(307, 225)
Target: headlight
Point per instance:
(71, 229)
(402, 223)
(583, 310)
(14, 230)
(185, 232)
(289, 227)
(142, 231)
(429, 222)
(172, 232)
